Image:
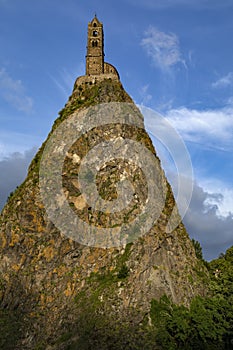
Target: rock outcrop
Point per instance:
(56, 293)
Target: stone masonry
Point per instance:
(96, 69)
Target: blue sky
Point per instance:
(174, 56)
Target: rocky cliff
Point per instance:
(58, 293)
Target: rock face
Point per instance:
(56, 293)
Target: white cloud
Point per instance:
(203, 222)
(211, 128)
(163, 48)
(13, 92)
(224, 82)
(224, 201)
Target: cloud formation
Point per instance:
(209, 215)
(13, 170)
(224, 82)
(13, 92)
(211, 128)
(162, 47)
(203, 222)
(11, 141)
(224, 200)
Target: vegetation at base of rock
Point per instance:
(208, 323)
(101, 333)
(10, 329)
(222, 275)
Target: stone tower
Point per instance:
(95, 48)
(95, 65)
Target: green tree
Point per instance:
(205, 326)
(198, 249)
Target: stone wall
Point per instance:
(87, 80)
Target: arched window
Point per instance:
(95, 25)
(95, 33)
(94, 43)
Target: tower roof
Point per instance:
(96, 20)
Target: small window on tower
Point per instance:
(95, 25)
(94, 43)
(95, 33)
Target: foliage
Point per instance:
(123, 272)
(222, 274)
(204, 326)
(198, 249)
(208, 323)
(9, 329)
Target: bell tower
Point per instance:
(95, 48)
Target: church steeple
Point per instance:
(95, 48)
(96, 68)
